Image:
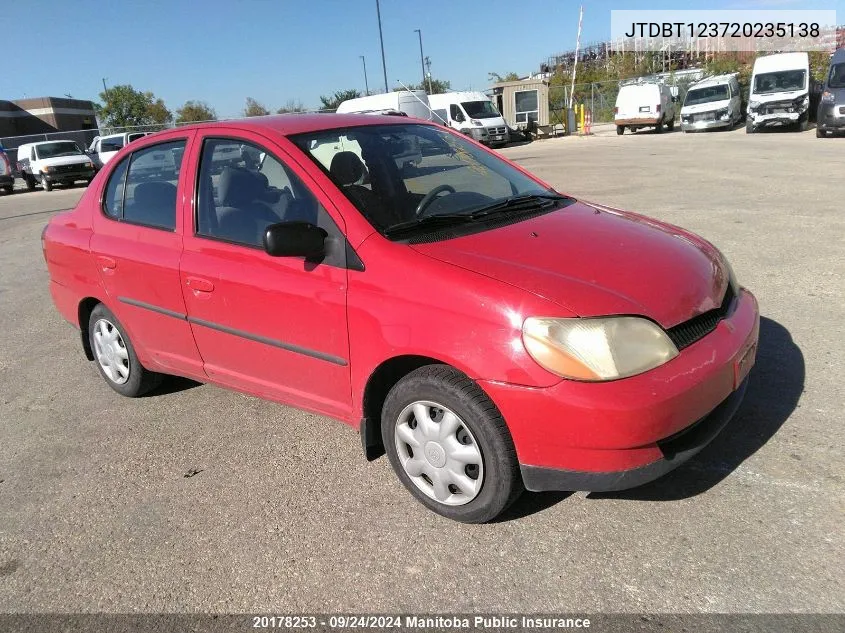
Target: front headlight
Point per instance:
(722, 114)
(475, 122)
(753, 105)
(802, 102)
(47, 169)
(827, 97)
(596, 349)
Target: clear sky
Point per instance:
(222, 51)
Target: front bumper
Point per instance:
(705, 125)
(831, 116)
(70, 176)
(776, 119)
(611, 435)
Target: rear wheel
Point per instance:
(659, 127)
(620, 130)
(29, 179)
(116, 358)
(670, 125)
(46, 185)
(450, 446)
(749, 127)
(820, 133)
(9, 189)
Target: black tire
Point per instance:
(9, 189)
(620, 130)
(46, 185)
(140, 380)
(659, 127)
(749, 128)
(502, 482)
(29, 179)
(670, 125)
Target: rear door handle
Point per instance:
(106, 263)
(199, 284)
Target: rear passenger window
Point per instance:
(113, 201)
(142, 189)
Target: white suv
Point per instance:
(104, 147)
(52, 162)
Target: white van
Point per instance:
(473, 114)
(714, 102)
(103, 148)
(780, 92)
(413, 103)
(52, 162)
(643, 103)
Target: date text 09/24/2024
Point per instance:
(422, 622)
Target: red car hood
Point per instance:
(597, 261)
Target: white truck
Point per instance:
(413, 103)
(103, 148)
(780, 92)
(644, 103)
(471, 113)
(53, 162)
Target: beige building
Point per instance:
(523, 103)
(31, 119)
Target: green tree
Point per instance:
(123, 106)
(497, 78)
(253, 108)
(193, 111)
(331, 102)
(438, 86)
(291, 106)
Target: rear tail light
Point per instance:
(658, 108)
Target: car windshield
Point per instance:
(707, 94)
(837, 76)
(780, 81)
(480, 109)
(57, 148)
(399, 175)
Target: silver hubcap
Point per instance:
(111, 351)
(439, 453)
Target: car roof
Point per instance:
(290, 124)
(713, 81)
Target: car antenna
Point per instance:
(413, 94)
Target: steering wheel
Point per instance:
(430, 196)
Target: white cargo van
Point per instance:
(714, 102)
(102, 148)
(643, 103)
(780, 92)
(413, 103)
(473, 114)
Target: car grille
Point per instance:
(64, 169)
(497, 130)
(777, 107)
(686, 333)
(842, 110)
(704, 116)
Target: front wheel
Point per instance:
(820, 133)
(9, 189)
(620, 130)
(46, 185)
(450, 446)
(749, 128)
(116, 358)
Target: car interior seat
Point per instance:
(241, 214)
(153, 203)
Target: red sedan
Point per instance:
(487, 332)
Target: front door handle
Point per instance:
(199, 284)
(106, 263)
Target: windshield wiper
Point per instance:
(526, 202)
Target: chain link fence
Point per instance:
(599, 98)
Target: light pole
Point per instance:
(381, 41)
(422, 61)
(366, 83)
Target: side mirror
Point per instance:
(295, 239)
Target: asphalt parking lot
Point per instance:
(284, 514)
